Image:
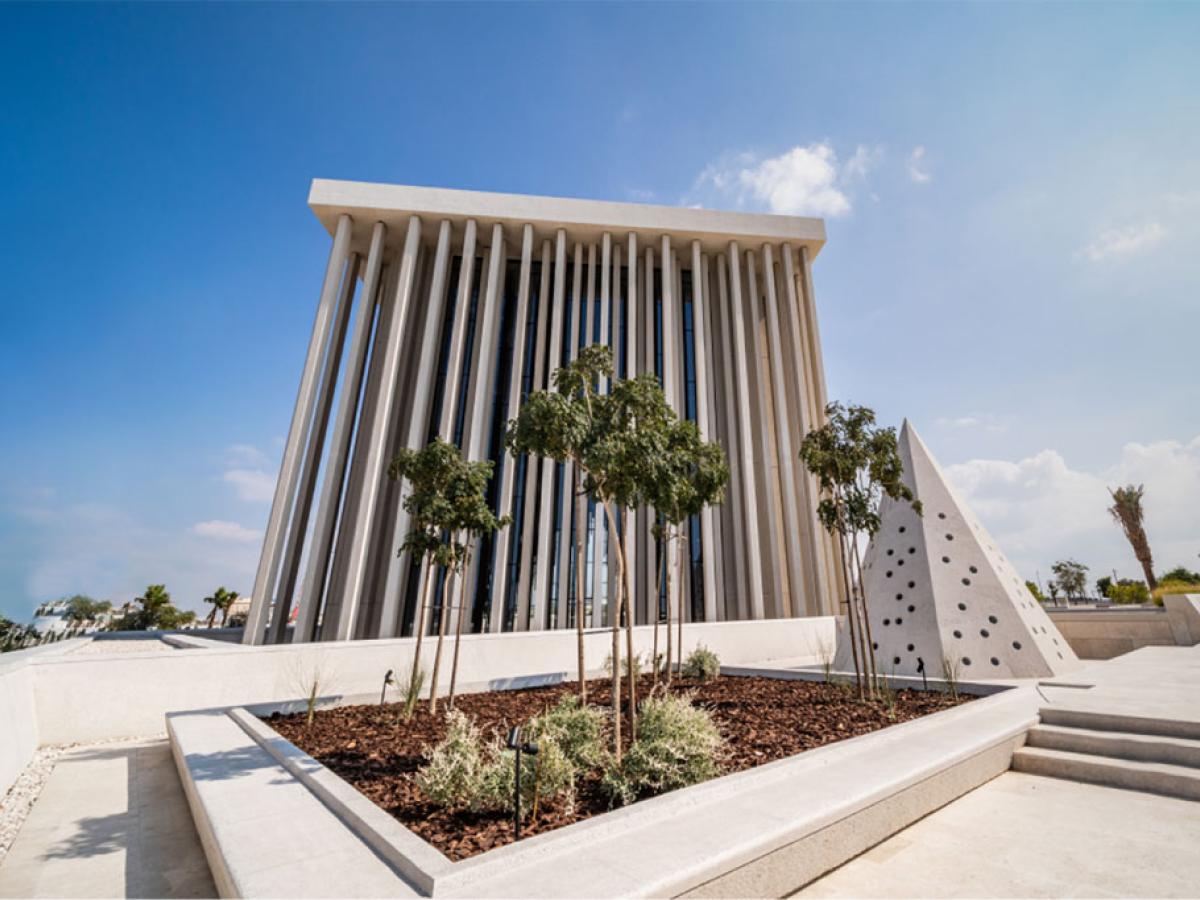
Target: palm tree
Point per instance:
(221, 600)
(1127, 512)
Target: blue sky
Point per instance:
(1011, 194)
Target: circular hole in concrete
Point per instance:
(888, 573)
(1060, 656)
(912, 609)
(874, 645)
(995, 662)
(1016, 645)
(898, 620)
(983, 632)
(993, 620)
(962, 606)
(966, 660)
(941, 515)
(949, 537)
(902, 529)
(899, 596)
(945, 559)
(899, 562)
(912, 549)
(887, 621)
(911, 585)
(966, 581)
(890, 552)
(895, 660)
(911, 648)
(958, 634)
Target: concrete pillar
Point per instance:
(416, 432)
(503, 541)
(750, 505)
(737, 577)
(708, 550)
(289, 470)
(375, 463)
(535, 499)
(316, 569)
(570, 508)
(313, 451)
(800, 586)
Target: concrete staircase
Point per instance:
(1140, 753)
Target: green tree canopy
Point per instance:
(1071, 577)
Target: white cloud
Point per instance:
(245, 455)
(225, 531)
(1123, 242)
(986, 421)
(916, 166)
(803, 181)
(1040, 510)
(252, 485)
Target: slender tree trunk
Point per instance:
(212, 617)
(623, 604)
(224, 616)
(667, 545)
(580, 551)
(462, 611)
(437, 656)
(850, 614)
(420, 626)
(866, 618)
(683, 554)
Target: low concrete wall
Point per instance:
(87, 698)
(1183, 612)
(1105, 633)
(19, 732)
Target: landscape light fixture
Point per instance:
(387, 679)
(921, 669)
(514, 743)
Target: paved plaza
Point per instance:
(111, 821)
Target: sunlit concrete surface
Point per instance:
(112, 821)
(1027, 836)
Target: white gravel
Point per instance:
(16, 804)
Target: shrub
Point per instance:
(465, 772)
(1128, 591)
(678, 745)
(1174, 587)
(701, 664)
(456, 773)
(577, 729)
(544, 775)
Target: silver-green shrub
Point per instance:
(678, 744)
(456, 773)
(701, 664)
(577, 729)
(544, 775)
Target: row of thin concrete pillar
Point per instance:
(436, 337)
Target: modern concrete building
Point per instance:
(441, 310)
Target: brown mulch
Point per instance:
(762, 720)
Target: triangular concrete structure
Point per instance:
(939, 588)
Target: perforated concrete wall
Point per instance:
(938, 588)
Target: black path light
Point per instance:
(921, 669)
(514, 743)
(387, 680)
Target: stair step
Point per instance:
(1149, 748)
(1155, 778)
(1098, 720)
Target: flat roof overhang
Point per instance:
(392, 204)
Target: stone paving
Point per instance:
(1027, 836)
(111, 821)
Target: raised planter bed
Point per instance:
(763, 719)
(763, 831)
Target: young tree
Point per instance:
(558, 425)
(689, 475)
(448, 503)
(856, 464)
(1127, 512)
(1036, 591)
(221, 600)
(429, 472)
(1071, 577)
(156, 612)
(614, 441)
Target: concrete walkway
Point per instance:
(1027, 836)
(111, 821)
